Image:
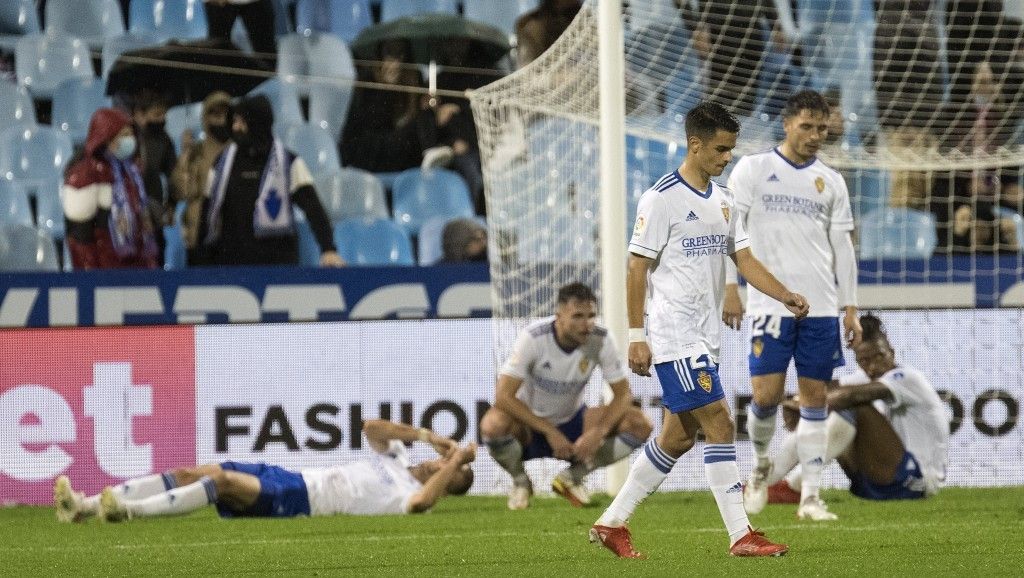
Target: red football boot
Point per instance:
(781, 493)
(617, 540)
(755, 544)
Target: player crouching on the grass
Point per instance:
(385, 484)
(539, 412)
(899, 453)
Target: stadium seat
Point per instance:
(1018, 222)
(344, 18)
(501, 15)
(14, 206)
(49, 210)
(73, 104)
(175, 254)
(372, 242)
(17, 18)
(42, 62)
(897, 233)
(25, 248)
(313, 145)
(90, 20)
(33, 155)
(869, 190)
(320, 67)
(351, 193)
(184, 116)
(395, 9)
(117, 45)
(430, 247)
(178, 19)
(16, 106)
(284, 100)
(422, 194)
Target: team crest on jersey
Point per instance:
(584, 365)
(725, 212)
(639, 226)
(704, 381)
(819, 183)
(757, 347)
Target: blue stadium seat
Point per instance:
(14, 206)
(430, 246)
(16, 106)
(320, 67)
(117, 45)
(42, 62)
(501, 15)
(422, 194)
(313, 145)
(869, 190)
(17, 18)
(351, 193)
(90, 20)
(372, 242)
(175, 254)
(897, 233)
(394, 9)
(1018, 222)
(33, 155)
(25, 248)
(73, 104)
(344, 18)
(284, 100)
(49, 210)
(179, 19)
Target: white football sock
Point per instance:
(508, 452)
(612, 450)
(810, 447)
(136, 489)
(648, 471)
(840, 431)
(175, 502)
(761, 427)
(724, 478)
(785, 460)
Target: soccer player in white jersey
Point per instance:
(385, 484)
(539, 411)
(897, 451)
(684, 232)
(797, 213)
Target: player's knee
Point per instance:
(676, 445)
(637, 424)
(494, 424)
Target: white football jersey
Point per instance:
(789, 210)
(555, 380)
(379, 485)
(918, 416)
(689, 233)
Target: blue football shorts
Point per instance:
(814, 343)
(539, 446)
(908, 485)
(283, 492)
(689, 383)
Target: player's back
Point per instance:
(789, 211)
(381, 484)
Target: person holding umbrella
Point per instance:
(251, 191)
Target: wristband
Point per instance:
(423, 434)
(637, 335)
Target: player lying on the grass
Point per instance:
(539, 412)
(898, 453)
(385, 484)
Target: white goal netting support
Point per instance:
(928, 102)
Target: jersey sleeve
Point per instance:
(651, 228)
(858, 377)
(738, 238)
(841, 218)
(898, 382)
(741, 186)
(522, 359)
(611, 361)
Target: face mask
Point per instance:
(220, 132)
(156, 127)
(244, 139)
(125, 148)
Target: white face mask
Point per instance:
(125, 148)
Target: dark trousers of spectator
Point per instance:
(258, 18)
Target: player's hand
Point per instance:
(851, 329)
(445, 447)
(586, 445)
(797, 304)
(732, 308)
(465, 454)
(640, 358)
(561, 447)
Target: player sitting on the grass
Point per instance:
(539, 412)
(385, 484)
(902, 456)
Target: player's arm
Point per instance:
(380, 432)
(435, 486)
(639, 353)
(505, 399)
(853, 395)
(592, 438)
(741, 186)
(845, 259)
(761, 279)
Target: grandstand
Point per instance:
(193, 364)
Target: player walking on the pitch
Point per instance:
(797, 213)
(684, 230)
(538, 410)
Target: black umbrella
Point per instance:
(428, 37)
(187, 72)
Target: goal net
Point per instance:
(928, 100)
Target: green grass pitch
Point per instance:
(960, 532)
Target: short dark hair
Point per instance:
(805, 100)
(461, 482)
(578, 291)
(707, 118)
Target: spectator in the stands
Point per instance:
(249, 217)
(538, 29)
(256, 15)
(156, 158)
(194, 164)
(463, 240)
(104, 199)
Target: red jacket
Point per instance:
(87, 196)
